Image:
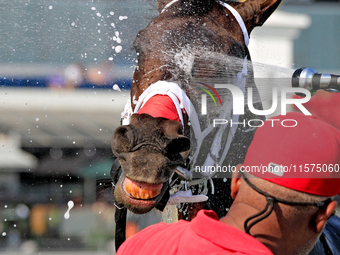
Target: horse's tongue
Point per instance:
(142, 190)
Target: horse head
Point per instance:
(149, 150)
(175, 47)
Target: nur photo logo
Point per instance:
(204, 97)
(238, 97)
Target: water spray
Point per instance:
(309, 79)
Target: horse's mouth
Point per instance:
(141, 191)
(138, 197)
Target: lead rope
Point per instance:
(121, 211)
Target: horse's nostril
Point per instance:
(121, 156)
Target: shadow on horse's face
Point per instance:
(176, 46)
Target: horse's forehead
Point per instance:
(181, 31)
(162, 25)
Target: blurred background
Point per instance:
(65, 74)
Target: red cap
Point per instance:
(298, 152)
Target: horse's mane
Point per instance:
(191, 7)
(196, 7)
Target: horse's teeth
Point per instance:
(154, 192)
(144, 193)
(128, 188)
(135, 192)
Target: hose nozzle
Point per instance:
(309, 79)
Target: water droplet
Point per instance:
(70, 205)
(112, 13)
(118, 48)
(4, 234)
(122, 17)
(36, 119)
(74, 142)
(50, 7)
(93, 8)
(116, 87)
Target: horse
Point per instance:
(191, 44)
(159, 132)
(184, 37)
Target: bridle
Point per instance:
(231, 9)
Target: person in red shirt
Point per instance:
(283, 197)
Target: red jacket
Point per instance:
(203, 235)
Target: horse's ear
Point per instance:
(255, 12)
(267, 7)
